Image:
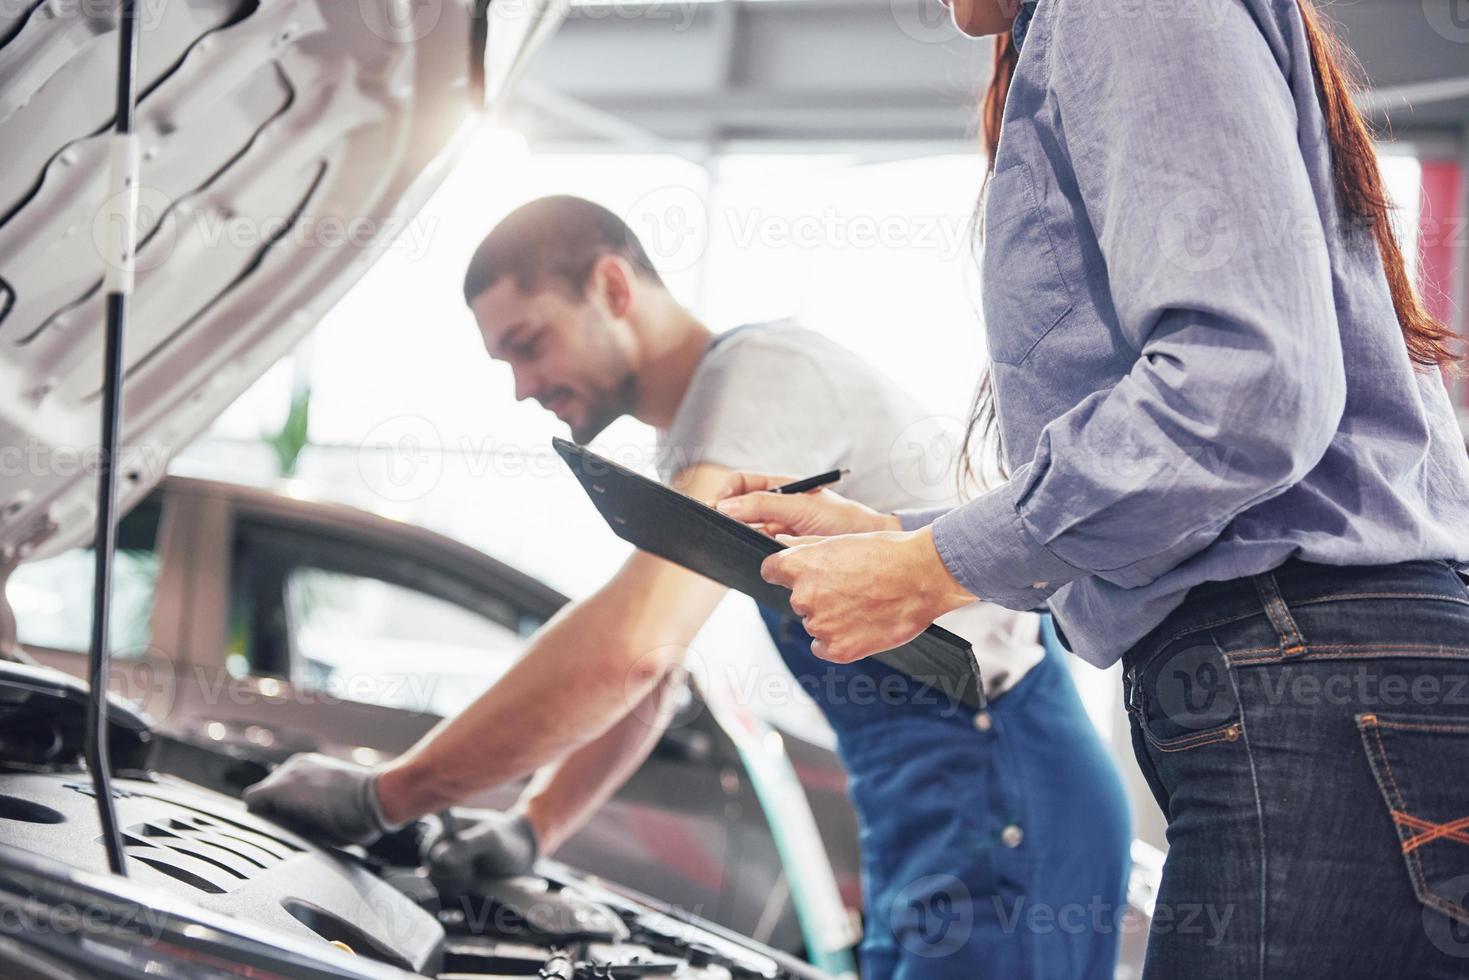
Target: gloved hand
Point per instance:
(495, 845)
(331, 800)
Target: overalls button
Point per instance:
(983, 721)
(1011, 836)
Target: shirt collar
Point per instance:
(1022, 22)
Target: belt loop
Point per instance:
(1461, 573)
(1291, 644)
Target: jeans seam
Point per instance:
(1334, 596)
(1415, 727)
(1139, 664)
(1349, 651)
(1420, 880)
(1327, 597)
(1264, 865)
(1392, 777)
(1457, 912)
(1229, 732)
(1314, 600)
(1147, 766)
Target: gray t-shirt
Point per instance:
(775, 398)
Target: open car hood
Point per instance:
(284, 142)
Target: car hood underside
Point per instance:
(284, 144)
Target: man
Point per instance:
(970, 822)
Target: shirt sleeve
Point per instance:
(1182, 131)
(759, 404)
(913, 520)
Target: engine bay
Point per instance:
(202, 868)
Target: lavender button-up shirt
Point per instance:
(1197, 363)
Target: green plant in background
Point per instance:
(295, 435)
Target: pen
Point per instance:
(812, 482)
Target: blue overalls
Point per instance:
(993, 845)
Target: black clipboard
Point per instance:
(678, 528)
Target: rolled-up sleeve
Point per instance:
(1181, 132)
(913, 520)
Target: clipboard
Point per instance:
(666, 523)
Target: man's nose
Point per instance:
(526, 386)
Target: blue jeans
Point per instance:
(993, 846)
(1306, 732)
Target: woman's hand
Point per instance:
(860, 594)
(820, 513)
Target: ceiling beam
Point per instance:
(1413, 96)
(833, 71)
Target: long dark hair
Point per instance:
(1360, 190)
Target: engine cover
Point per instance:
(209, 851)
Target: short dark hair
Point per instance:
(553, 238)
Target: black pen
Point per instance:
(812, 482)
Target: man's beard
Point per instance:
(608, 407)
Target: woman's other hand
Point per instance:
(819, 513)
(860, 594)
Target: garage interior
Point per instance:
(366, 490)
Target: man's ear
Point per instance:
(614, 284)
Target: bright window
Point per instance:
(363, 639)
(52, 598)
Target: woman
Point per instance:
(1234, 466)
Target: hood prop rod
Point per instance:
(122, 240)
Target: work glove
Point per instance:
(328, 799)
(493, 845)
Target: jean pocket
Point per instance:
(1183, 697)
(1182, 743)
(1414, 759)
